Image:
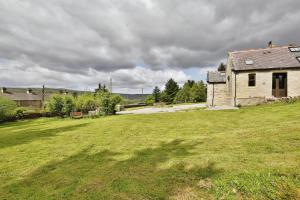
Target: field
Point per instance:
(251, 153)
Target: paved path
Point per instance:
(223, 108)
(163, 109)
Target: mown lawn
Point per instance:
(252, 153)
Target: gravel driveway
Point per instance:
(163, 109)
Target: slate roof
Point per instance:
(269, 58)
(22, 96)
(216, 77)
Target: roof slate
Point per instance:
(269, 58)
(216, 77)
(22, 96)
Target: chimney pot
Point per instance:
(29, 91)
(3, 90)
(270, 44)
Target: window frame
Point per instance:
(252, 80)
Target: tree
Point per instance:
(222, 67)
(69, 104)
(184, 94)
(56, 105)
(171, 89)
(156, 94)
(108, 101)
(198, 92)
(190, 83)
(101, 88)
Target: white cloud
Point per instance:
(124, 80)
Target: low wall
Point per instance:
(250, 101)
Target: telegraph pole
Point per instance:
(110, 84)
(43, 95)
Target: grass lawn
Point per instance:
(251, 153)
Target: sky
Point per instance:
(139, 43)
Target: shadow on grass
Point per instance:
(100, 176)
(29, 135)
(21, 124)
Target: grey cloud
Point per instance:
(108, 35)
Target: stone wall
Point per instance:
(293, 83)
(29, 103)
(263, 87)
(251, 95)
(217, 94)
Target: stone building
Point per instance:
(256, 76)
(23, 99)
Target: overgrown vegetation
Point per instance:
(102, 100)
(251, 153)
(7, 109)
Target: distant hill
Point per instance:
(134, 96)
(50, 91)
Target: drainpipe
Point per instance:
(213, 96)
(234, 88)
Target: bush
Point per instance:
(7, 109)
(60, 105)
(69, 104)
(150, 100)
(56, 105)
(86, 103)
(20, 112)
(108, 102)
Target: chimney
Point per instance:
(29, 91)
(3, 90)
(270, 44)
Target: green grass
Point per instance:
(252, 153)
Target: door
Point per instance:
(279, 85)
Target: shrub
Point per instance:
(7, 109)
(86, 103)
(150, 100)
(56, 105)
(108, 102)
(69, 104)
(20, 112)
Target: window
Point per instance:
(249, 62)
(298, 58)
(294, 49)
(251, 80)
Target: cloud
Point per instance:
(123, 80)
(110, 36)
